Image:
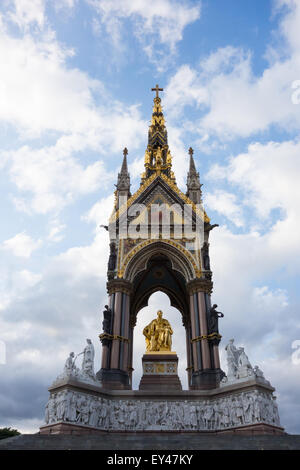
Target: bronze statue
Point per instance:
(213, 319)
(158, 334)
(106, 324)
(112, 257)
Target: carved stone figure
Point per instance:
(239, 411)
(158, 334)
(71, 407)
(275, 413)
(104, 417)
(69, 364)
(52, 408)
(258, 372)
(224, 412)
(94, 413)
(87, 368)
(244, 367)
(232, 359)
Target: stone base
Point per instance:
(206, 379)
(160, 371)
(160, 382)
(114, 379)
(77, 407)
(68, 428)
(155, 441)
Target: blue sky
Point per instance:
(75, 90)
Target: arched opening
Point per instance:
(159, 274)
(159, 301)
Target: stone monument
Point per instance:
(159, 241)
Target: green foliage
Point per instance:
(8, 432)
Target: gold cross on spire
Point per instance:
(157, 89)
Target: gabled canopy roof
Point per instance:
(167, 185)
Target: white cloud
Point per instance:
(268, 177)
(28, 12)
(21, 245)
(266, 298)
(83, 262)
(234, 102)
(192, 93)
(56, 231)
(161, 21)
(69, 105)
(100, 212)
(226, 204)
(15, 285)
(53, 177)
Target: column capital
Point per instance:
(119, 285)
(199, 285)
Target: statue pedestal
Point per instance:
(160, 371)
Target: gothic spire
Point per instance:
(192, 162)
(193, 181)
(158, 157)
(123, 184)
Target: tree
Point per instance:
(8, 432)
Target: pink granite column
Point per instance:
(194, 334)
(130, 353)
(114, 364)
(203, 328)
(188, 354)
(124, 365)
(216, 356)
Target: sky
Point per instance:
(75, 89)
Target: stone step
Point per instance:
(151, 441)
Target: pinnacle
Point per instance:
(124, 168)
(192, 162)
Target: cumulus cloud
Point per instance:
(267, 176)
(15, 285)
(234, 102)
(56, 231)
(226, 204)
(160, 22)
(61, 104)
(27, 12)
(53, 177)
(100, 211)
(21, 245)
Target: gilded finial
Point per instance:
(191, 151)
(125, 151)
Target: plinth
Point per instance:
(160, 371)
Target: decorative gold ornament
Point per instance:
(158, 334)
(169, 158)
(141, 245)
(147, 157)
